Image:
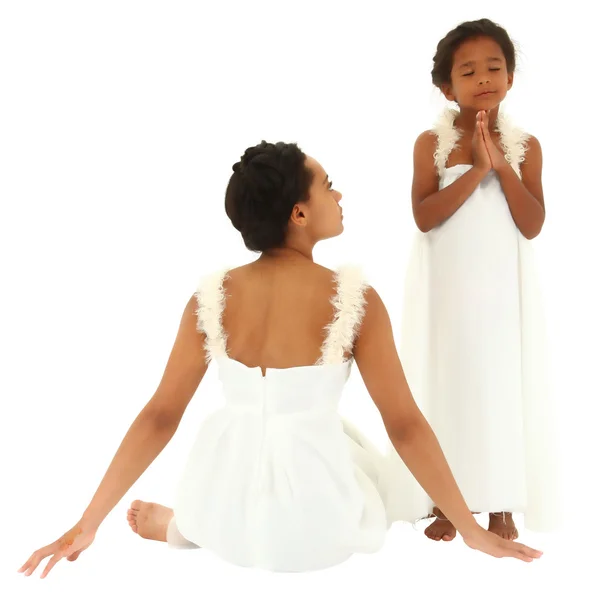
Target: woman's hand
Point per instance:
(68, 546)
(491, 544)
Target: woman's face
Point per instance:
(321, 214)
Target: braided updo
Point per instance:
(268, 181)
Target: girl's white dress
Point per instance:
(276, 480)
(473, 349)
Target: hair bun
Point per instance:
(274, 178)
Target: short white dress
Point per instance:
(276, 480)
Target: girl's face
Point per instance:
(479, 78)
(321, 215)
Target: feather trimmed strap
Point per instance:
(447, 138)
(349, 304)
(512, 139)
(210, 297)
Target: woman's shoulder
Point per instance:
(345, 278)
(307, 272)
(344, 269)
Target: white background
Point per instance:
(119, 125)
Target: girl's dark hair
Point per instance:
(444, 56)
(268, 181)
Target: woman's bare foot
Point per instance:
(441, 528)
(149, 520)
(502, 524)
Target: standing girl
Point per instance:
(473, 339)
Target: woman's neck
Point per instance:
(287, 254)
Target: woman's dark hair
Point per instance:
(268, 181)
(444, 56)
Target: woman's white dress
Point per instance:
(276, 480)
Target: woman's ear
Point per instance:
(298, 215)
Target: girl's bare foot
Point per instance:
(441, 528)
(149, 520)
(502, 524)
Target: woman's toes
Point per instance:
(132, 520)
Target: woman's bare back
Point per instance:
(276, 312)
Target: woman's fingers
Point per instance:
(25, 565)
(523, 557)
(524, 553)
(51, 563)
(69, 546)
(529, 551)
(38, 556)
(34, 560)
(500, 548)
(74, 556)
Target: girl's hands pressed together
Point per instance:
(495, 153)
(481, 156)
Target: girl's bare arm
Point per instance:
(525, 196)
(432, 206)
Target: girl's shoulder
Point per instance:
(427, 138)
(425, 146)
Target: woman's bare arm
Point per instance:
(412, 437)
(157, 422)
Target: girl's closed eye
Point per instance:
(473, 72)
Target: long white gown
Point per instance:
(474, 352)
(276, 480)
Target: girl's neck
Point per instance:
(467, 118)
